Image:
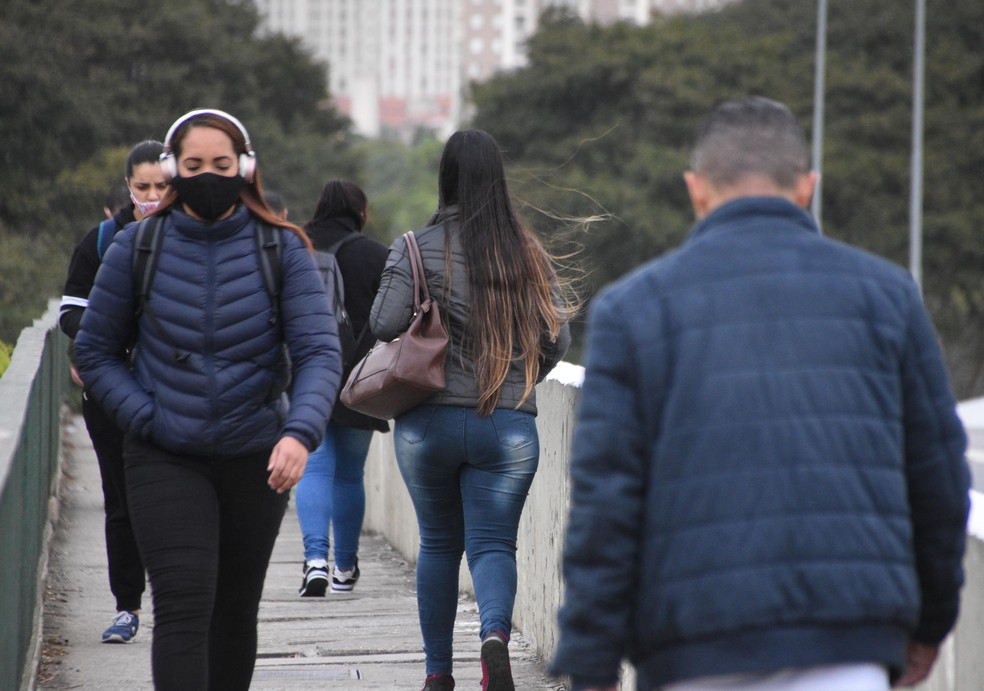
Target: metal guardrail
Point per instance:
(31, 393)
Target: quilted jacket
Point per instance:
(768, 469)
(209, 377)
(393, 309)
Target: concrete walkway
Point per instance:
(368, 639)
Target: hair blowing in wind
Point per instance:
(512, 284)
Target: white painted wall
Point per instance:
(388, 511)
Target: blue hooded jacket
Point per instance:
(214, 382)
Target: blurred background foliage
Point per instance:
(597, 130)
(612, 112)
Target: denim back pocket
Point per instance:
(413, 425)
(514, 428)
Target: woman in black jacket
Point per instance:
(332, 492)
(146, 184)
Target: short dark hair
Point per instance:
(750, 136)
(117, 197)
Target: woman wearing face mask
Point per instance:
(212, 443)
(146, 184)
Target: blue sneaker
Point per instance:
(123, 630)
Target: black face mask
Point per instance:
(209, 195)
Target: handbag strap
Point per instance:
(419, 283)
(417, 268)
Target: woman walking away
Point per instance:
(146, 186)
(332, 493)
(209, 291)
(468, 454)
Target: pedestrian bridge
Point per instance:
(31, 467)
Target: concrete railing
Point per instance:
(540, 588)
(390, 512)
(31, 392)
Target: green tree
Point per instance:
(401, 183)
(81, 82)
(610, 113)
(23, 269)
(6, 351)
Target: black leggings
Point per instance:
(126, 569)
(206, 529)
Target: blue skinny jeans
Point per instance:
(332, 494)
(468, 477)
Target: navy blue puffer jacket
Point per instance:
(213, 382)
(767, 468)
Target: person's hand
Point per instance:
(287, 464)
(918, 663)
(76, 377)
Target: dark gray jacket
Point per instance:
(393, 309)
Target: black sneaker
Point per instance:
(344, 581)
(438, 682)
(315, 581)
(496, 671)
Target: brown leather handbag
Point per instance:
(394, 377)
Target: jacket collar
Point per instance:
(444, 213)
(211, 230)
(337, 223)
(328, 231)
(124, 217)
(753, 211)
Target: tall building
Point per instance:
(398, 65)
(495, 32)
(393, 65)
(687, 6)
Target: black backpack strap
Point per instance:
(334, 249)
(146, 253)
(270, 252)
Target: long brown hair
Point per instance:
(251, 195)
(513, 288)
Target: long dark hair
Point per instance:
(340, 198)
(512, 283)
(251, 195)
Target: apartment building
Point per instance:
(398, 65)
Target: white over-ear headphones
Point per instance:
(169, 163)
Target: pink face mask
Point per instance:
(145, 208)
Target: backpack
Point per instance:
(146, 251)
(107, 231)
(331, 274)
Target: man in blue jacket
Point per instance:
(769, 484)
